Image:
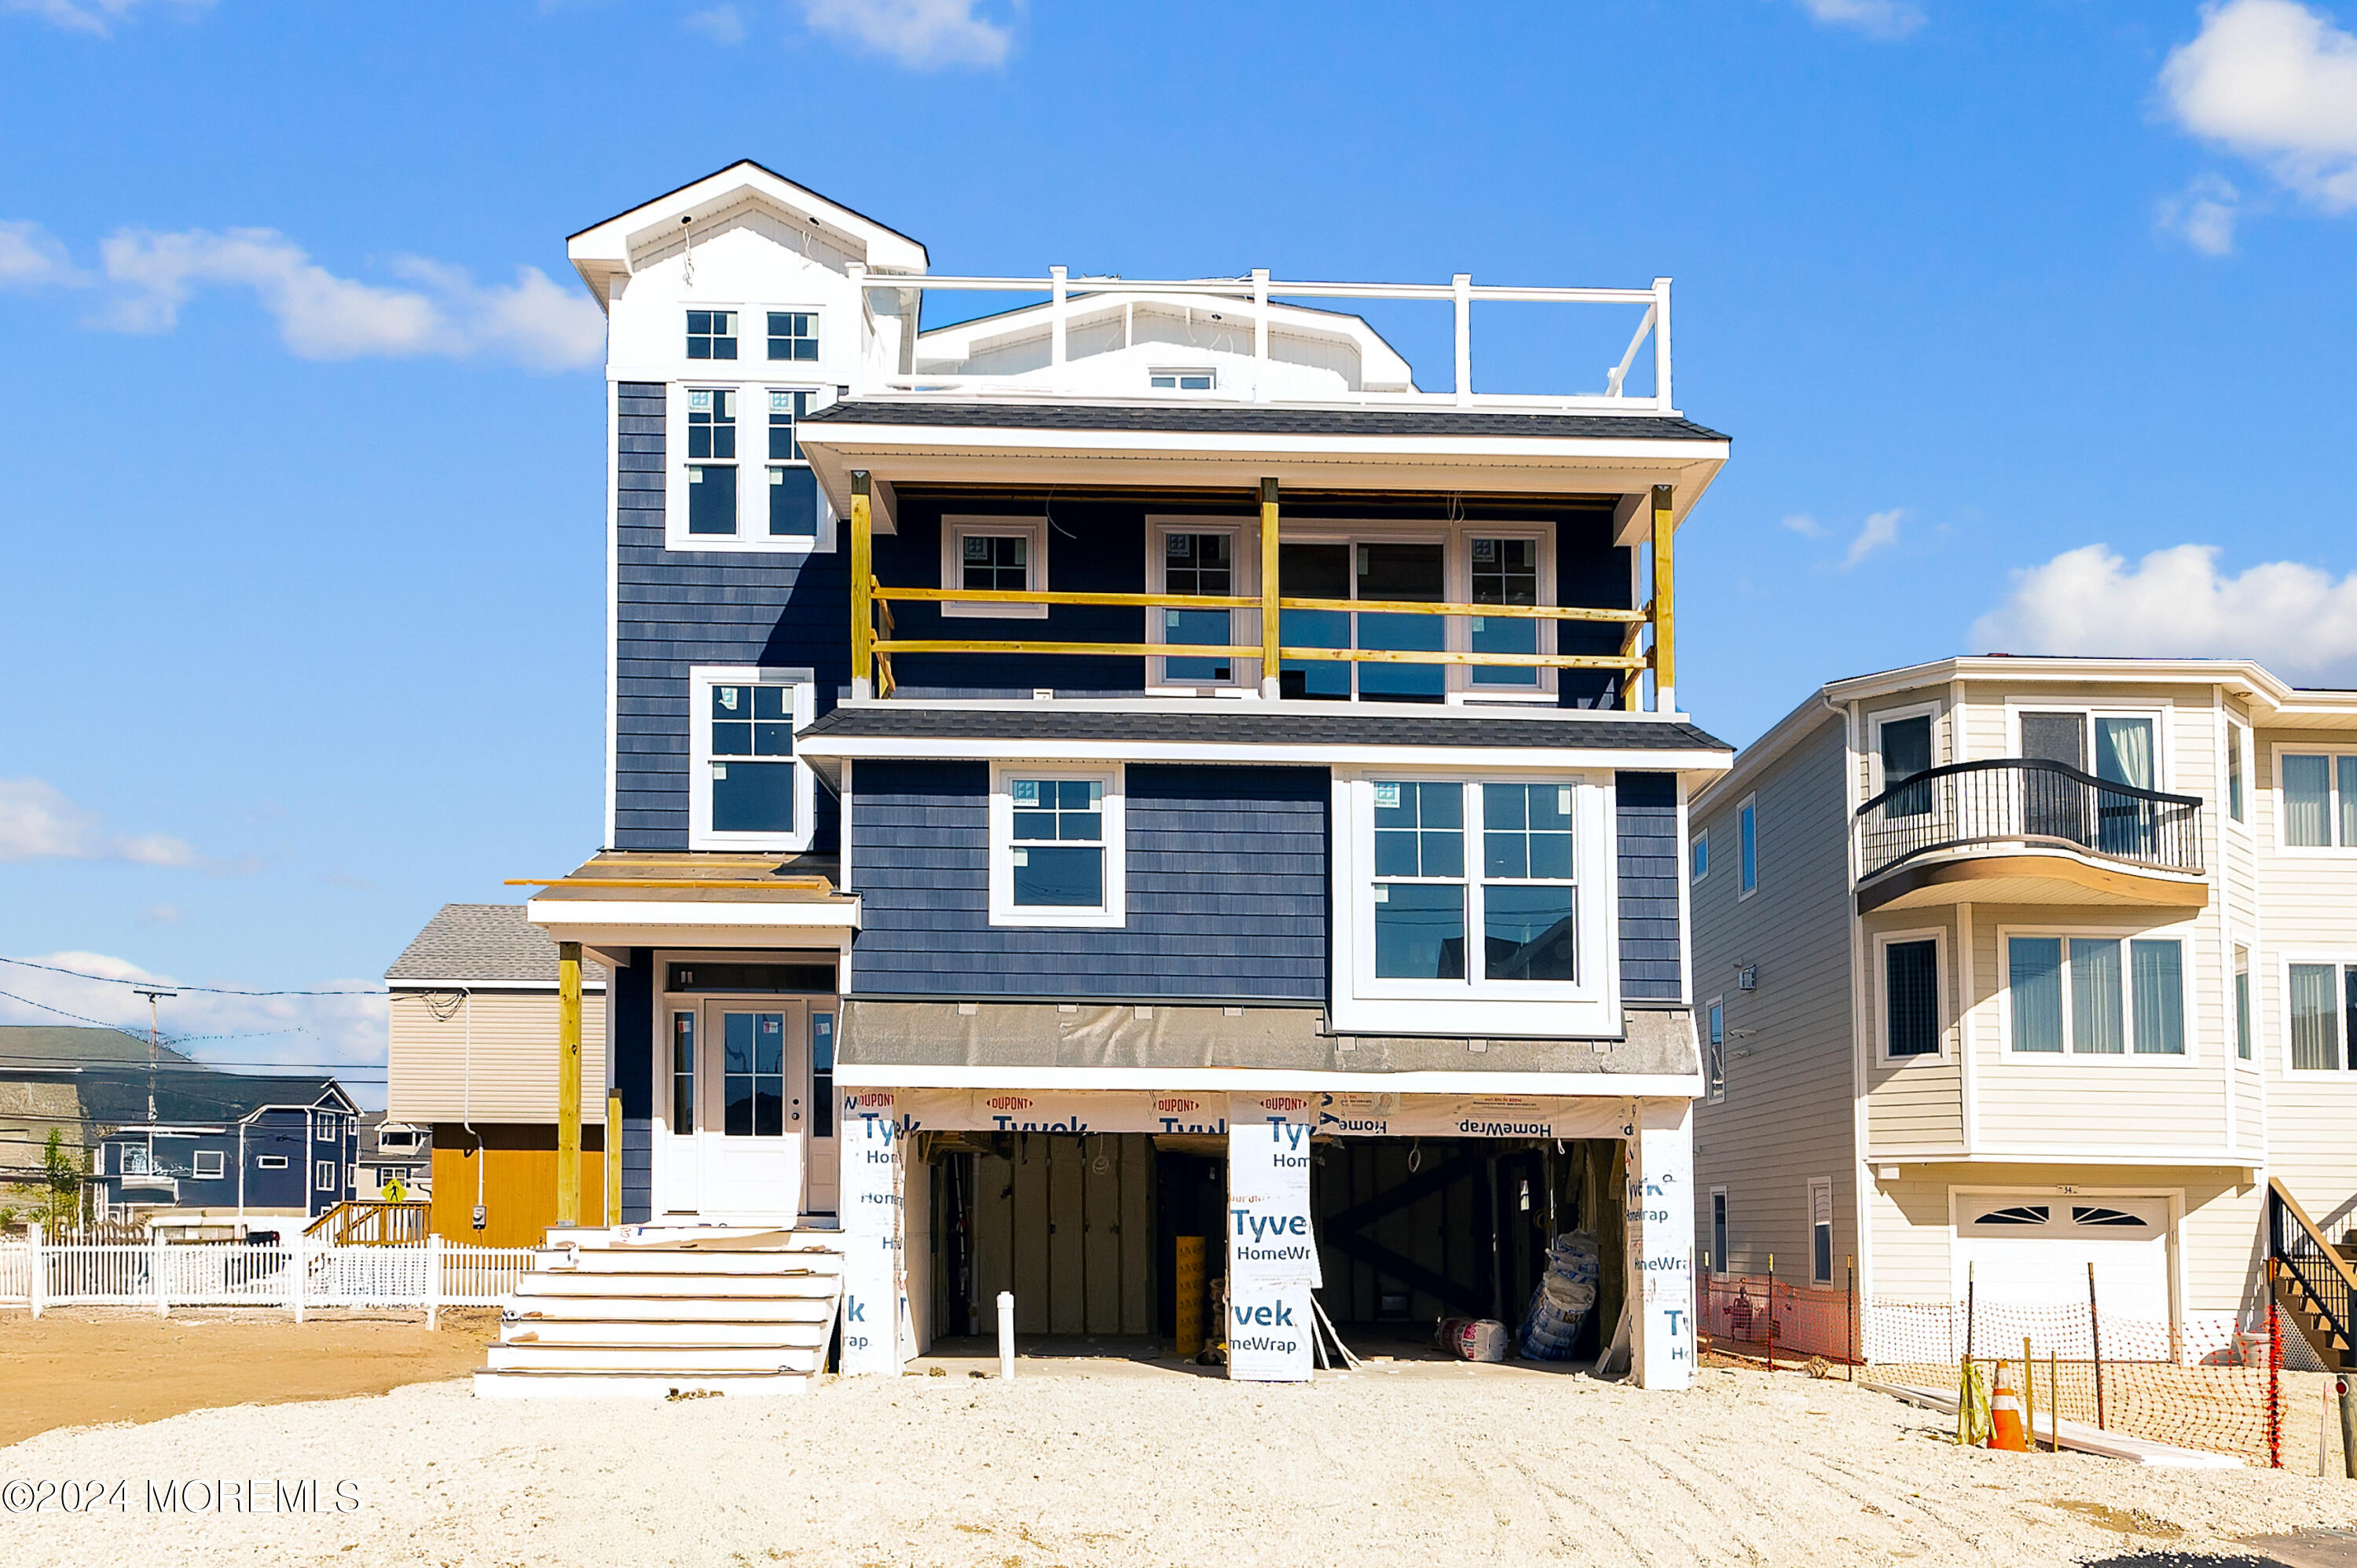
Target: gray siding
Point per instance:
(1649, 854)
(638, 1170)
(1786, 1116)
(678, 609)
(1227, 870)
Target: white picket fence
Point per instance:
(296, 1275)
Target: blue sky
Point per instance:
(2030, 322)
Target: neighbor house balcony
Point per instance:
(2025, 830)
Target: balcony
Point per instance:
(2026, 830)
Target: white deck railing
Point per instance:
(295, 1275)
(1257, 289)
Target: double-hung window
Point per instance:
(1209, 560)
(1747, 819)
(2235, 738)
(793, 335)
(711, 334)
(1714, 1065)
(712, 461)
(793, 509)
(2323, 1008)
(994, 554)
(1698, 858)
(748, 790)
(1821, 1231)
(1505, 572)
(2241, 1003)
(2096, 996)
(323, 1176)
(2319, 801)
(1056, 847)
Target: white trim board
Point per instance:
(1248, 1080)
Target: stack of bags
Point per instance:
(1566, 1294)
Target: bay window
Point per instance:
(2096, 996)
(2319, 801)
(2323, 1008)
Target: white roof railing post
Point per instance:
(1260, 334)
(1056, 327)
(857, 273)
(1661, 400)
(1461, 287)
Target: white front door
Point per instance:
(731, 1146)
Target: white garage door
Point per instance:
(2032, 1251)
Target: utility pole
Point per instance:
(154, 1045)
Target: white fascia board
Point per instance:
(606, 247)
(1570, 754)
(1249, 1080)
(964, 439)
(2078, 1156)
(558, 915)
(435, 987)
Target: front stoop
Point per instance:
(650, 1311)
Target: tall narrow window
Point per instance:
(794, 490)
(683, 1072)
(2316, 1020)
(711, 460)
(2346, 771)
(711, 334)
(1748, 872)
(1715, 1055)
(2095, 1000)
(2308, 801)
(1505, 572)
(1910, 998)
(2156, 982)
(1718, 1263)
(2235, 771)
(1820, 1232)
(1059, 844)
(1199, 563)
(1419, 891)
(793, 335)
(1527, 893)
(1906, 751)
(1698, 858)
(2034, 978)
(2242, 1004)
(821, 1075)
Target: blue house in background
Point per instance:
(1050, 749)
(231, 1155)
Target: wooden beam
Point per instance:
(613, 1158)
(1113, 650)
(1270, 659)
(863, 573)
(764, 884)
(1432, 607)
(1324, 655)
(1665, 642)
(1028, 597)
(568, 1083)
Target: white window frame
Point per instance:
(1590, 1006)
(2163, 715)
(1004, 910)
(2238, 771)
(753, 466)
(2186, 935)
(1177, 373)
(818, 330)
(739, 311)
(1938, 937)
(270, 1161)
(1243, 626)
(1817, 1185)
(1898, 715)
(1747, 847)
(2283, 845)
(701, 679)
(1698, 859)
(197, 1161)
(2342, 960)
(1714, 1052)
(955, 531)
(1459, 560)
(323, 1176)
(2242, 998)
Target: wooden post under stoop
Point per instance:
(1271, 681)
(1665, 675)
(863, 573)
(613, 1159)
(568, 1083)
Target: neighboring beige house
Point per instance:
(472, 1064)
(2072, 996)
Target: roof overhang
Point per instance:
(626, 923)
(902, 453)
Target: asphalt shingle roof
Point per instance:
(1369, 726)
(483, 942)
(109, 1069)
(1231, 419)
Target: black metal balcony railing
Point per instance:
(2032, 802)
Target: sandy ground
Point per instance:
(1119, 1462)
(72, 1366)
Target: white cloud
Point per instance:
(161, 915)
(1804, 525)
(323, 317)
(1880, 531)
(2202, 216)
(924, 35)
(1875, 18)
(723, 24)
(2278, 83)
(32, 257)
(96, 17)
(321, 1033)
(2291, 617)
(38, 823)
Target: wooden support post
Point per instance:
(1665, 669)
(613, 1159)
(863, 574)
(568, 1083)
(1271, 681)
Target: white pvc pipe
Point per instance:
(1006, 1334)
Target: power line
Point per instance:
(175, 1040)
(210, 990)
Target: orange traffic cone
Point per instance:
(2006, 1428)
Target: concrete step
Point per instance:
(545, 1384)
(676, 1360)
(768, 1237)
(706, 1335)
(811, 1308)
(700, 1260)
(579, 1284)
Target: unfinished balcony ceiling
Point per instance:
(2030, 876)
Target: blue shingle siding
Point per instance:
(1227, 871)
(638, 1170)
(1649, 865)
(678, 609)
